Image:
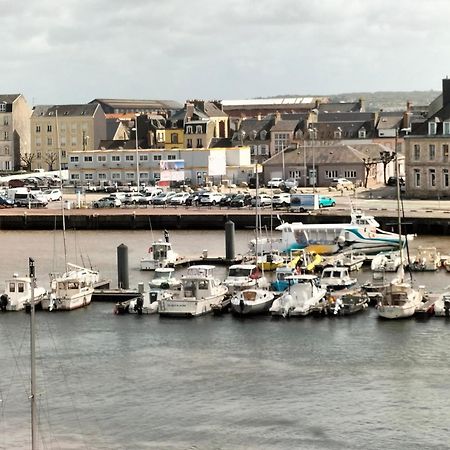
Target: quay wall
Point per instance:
(427, 222)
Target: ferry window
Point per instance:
(416, 152)
(20, 287)
(12, 287)
(432, 152)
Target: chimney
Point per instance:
(409, 106)
(317, 103)
(406, 121)
(258, 116)
(362, 105)
(445, 91)
(277, 116)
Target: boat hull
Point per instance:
(188, 307)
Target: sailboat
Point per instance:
(254, 300)
(399, 299)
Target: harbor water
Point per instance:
(144, 382)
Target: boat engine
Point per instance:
(4, 302)
(139, 305)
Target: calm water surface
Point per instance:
(128, 382)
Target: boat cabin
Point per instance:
(160, 249)
(203, 271)
(244, 271)
(17, 287)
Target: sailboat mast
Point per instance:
(256, 213)
(399, 218)
(63, 217)
(33, 358)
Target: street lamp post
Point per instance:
(313, 134)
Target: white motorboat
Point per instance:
(442, 306)
(252, 301)
(160, 254)
(199, 290)
(17, 294)
(148, 302)
(361, 234)
(303, 294)
(244, 276)
(71, 290)
(336, 277)
(165, 279)
(386, 262)
(346, 302)
(426, 259)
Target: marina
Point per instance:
(91, 359)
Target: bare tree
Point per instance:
(386, 157)
(368, 164)
(27, 161)
(51, 158)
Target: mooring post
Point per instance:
(229, 240)
(122, 267)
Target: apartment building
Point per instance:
(58, 129)
(14, 131)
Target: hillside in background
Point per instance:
(388, 101)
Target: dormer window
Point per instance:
(432, 126)
(198, 129)
(446, 128)
(338, 134)
(189, 130)
(362, 133)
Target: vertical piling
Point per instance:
(229, 240)
(122, 267)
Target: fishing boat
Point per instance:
(17, 293)
(386, 262)
(164, 279)
(160, 254)
(336, 277)
(270, 261)
(347, 302)
(400, 299)
(199, 290)
(303, 294)
(244, 276)
(70, 290)
(361, 234)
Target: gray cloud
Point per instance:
(73, 51)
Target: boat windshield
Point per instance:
(238, 272)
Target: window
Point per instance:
(329, 174)
(432, 177)
(144, 175)
(432, 126)
(446, 128)
(38, 142)
(416, 152)
(63, 154)
(73, 140)
(417, 178)
(129, 175)
(49, 141)
(62, 127)
(189, 143)
(49, 128)
(6, 150)
(349, 173)
(174, 138)
(199, 143)
(102, 176)
(20, 287)
(63, 141)
(281, 141)
(445, 178)
(6, 120)
(38, 155)
(7, 165)
(432, 152)
(88, 176)
(101, 158)
(129, 157)
(2, 107)
(264, 149)
(115, 176)
(198, 129)
(88, 159)
(74, 176)
(5, 135)
(338, 134)
(143, 157)
(115, 158)
(38, 128)
(171, 157)
(362, 133)
(74, 159)
(189, 130)
(157, 157)
(445, 152)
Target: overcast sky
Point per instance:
(72, 51)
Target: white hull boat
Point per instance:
(426, 259)
(160, 254)
(17, 294)
(300, 298)
(386, 262)
(252, 301)
(336, 277)
(199, 291)
(244, 276)
(164, 279)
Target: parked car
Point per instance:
(6, 202)
(275, 182)
(262, 200)
(149, 195)
(194, 198)
(392, 181)
(325, 202)
(341, 183)
(241, 200)
(281, 200)
(53, 195)
(210, 198)
(289, 184)
(179, 198)
(107, 202)
(162, 198)
(226, 199)
(134, 198)
(29, 200)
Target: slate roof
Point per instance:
(340, 107)
(389, 120)
(87, 110)
(221, 143)
(134, 104)
(109, 144)
(8, 98)
(285, 125)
